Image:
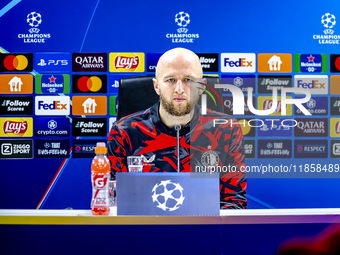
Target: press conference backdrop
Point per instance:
(60, 70)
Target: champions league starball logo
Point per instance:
(168, 195)
(34, 19)
(182, 19)
(328, 21)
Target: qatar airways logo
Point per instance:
(270, 106)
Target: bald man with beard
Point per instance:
(179, 83)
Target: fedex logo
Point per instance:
(317, 84)
(56, 105)
(52, 105)
(238, 62)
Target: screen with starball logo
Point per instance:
(62, 63)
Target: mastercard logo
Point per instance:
(92, 84)
(89, 83)
(12, 62)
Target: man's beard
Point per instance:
(178, 111)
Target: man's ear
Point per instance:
(204, 80)
(156, 85)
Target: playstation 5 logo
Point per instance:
(42, 63)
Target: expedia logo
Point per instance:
(16, 62)
(89, 127)
(311, 127)
(127, 62)
(89, 62)
(89, 84)
(52, 105)
(16, 105)
(16, 127)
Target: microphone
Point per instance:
(178, 128)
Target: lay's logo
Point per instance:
(127, 62)
(266, 103)
(335, 127)
(16, 127)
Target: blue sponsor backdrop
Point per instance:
(68, 27)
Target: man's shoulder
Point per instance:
(126, 121)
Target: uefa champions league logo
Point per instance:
(182, 19)
(168, 195)
(328, 21)
(34, 20)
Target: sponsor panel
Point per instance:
(247, 126)
(249, 148)
(151, 61)
(335, 84)
(311, 127)
(274, 149)
(209, 61)
(335, 127)
(16, 62)
(238, 63)
(335, 105)
(265, 103)
(111, 121)
(310, 149)
(52, 62)
(114, 81)
(316, 84)
(335, 149)
(89, 62)
(16, 105)
(310, 63)
(16, 149)
(113, 105)
(52, 83)
(85, 148)
(275, 127)
(51, 126)
(127, 62)
(52, 105)
(335, 63)
(316, 106)
(16, 84)
(89, 127)
(45, 148)
(89, 83)
(228, 105)
(274, 63)
(243, 82)
(89, 105)
(266, 83)
(16, 127)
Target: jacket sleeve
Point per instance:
(233, 183)
(116, 151)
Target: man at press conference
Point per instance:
(203, 144)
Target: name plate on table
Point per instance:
(168, 194)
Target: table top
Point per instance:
(85, 217)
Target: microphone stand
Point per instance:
(178, 128)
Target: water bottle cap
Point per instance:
(100, 148)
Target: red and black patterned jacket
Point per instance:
(207, 140)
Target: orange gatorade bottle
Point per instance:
(100, 175)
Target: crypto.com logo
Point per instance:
(238, 100)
